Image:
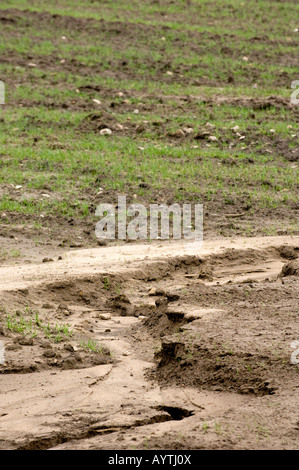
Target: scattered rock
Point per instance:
(152, 291)
(105, 316)
(188, 130)
(177, 134)
(63, 309)
(106, 131)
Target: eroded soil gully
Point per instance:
(199, 343)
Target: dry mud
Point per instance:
(195, 347)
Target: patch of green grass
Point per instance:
(28, 322)
(205, 427)
(92, 346)
(20, 324)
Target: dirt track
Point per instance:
(199, 341)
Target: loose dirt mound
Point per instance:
(291, 269)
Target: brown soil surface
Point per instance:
(195, 348)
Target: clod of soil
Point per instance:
(290, 269)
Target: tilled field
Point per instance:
(151, 344)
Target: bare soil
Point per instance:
(195, 348)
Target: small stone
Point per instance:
(106, 131)
(105, 316)
(178, 133)
(188, 130)
(152, 291)
(209, 125)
